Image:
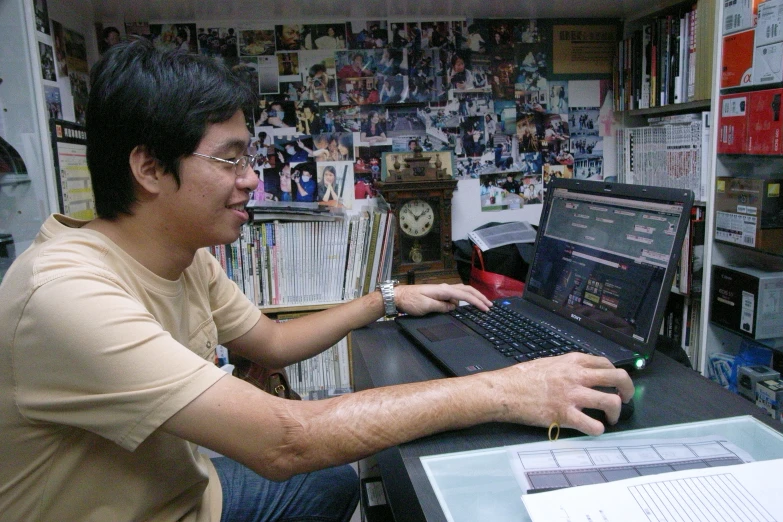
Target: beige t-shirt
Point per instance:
(96, 352)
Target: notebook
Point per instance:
(605, 256)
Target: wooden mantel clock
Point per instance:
(419, 191)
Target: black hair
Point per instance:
(160, 100)
(108, 30)
(316, 68)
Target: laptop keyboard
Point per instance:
(515, 335)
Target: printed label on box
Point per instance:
(768, 64)
(739, 15)
(768, 24)
(734, 106)
(746, 316)
(736, 228)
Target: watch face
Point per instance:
(416, 218)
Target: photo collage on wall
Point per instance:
(334, 98)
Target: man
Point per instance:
(108, 330)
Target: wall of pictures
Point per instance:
(335, 99)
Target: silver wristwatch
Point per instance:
(387, 293)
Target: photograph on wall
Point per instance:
(257, 41)
(583, 49)
(425, 81)
(76, 51)
(54, 104)
(268, 79)
(333, 146)
(137, 29)
(367, 34)
(294, 149)
(557, 102)
(168, 37)
(404, 120)
(373, 129)
(585, 143)
(503, 74)
(335, 184)
(440, 163)
(60, 56)
(46, 54)
(318, 76)
(323, 37)
(288, 65)
(500, 191)
(532, 60)
(218, 42)
(288, 37)
(464, 70)
(80, 92)
(287, 182)
(41, 16)
(368, 163)
(277, 114)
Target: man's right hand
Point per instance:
(557, 389)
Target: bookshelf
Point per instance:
(664, 138)
(743, 170)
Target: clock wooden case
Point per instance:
(419, 191)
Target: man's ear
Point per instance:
(146, 169)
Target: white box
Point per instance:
(768, 64)
(739, 15)
(769, 25)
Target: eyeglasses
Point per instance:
(240, 164)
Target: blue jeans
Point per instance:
(329, 495)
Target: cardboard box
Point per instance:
(749, 376)
(769, 22)
(739, 15)
(749, 212)
(769, 396)
(736, 66)
(747, 300)
(765, 122)
(767, 64)
(733, 124)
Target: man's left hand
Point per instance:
(423, 299)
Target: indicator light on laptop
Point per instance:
(640, 363)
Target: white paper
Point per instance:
(748, 492)
(505, 234)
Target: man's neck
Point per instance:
(144, 244)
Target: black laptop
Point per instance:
(604, 260)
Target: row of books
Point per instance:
(673, 151)
(291, 262)
(328, 374)
(666, 60)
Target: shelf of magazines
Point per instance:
(284, 265)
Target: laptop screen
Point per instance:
(602, 260)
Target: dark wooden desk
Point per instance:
(666, 393)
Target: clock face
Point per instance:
(416, 218)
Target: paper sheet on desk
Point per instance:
(748, 492)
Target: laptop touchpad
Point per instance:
(442, 332)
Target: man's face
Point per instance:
(113, 38)
(290, 35)
(208, 206)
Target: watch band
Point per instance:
(387, 293)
